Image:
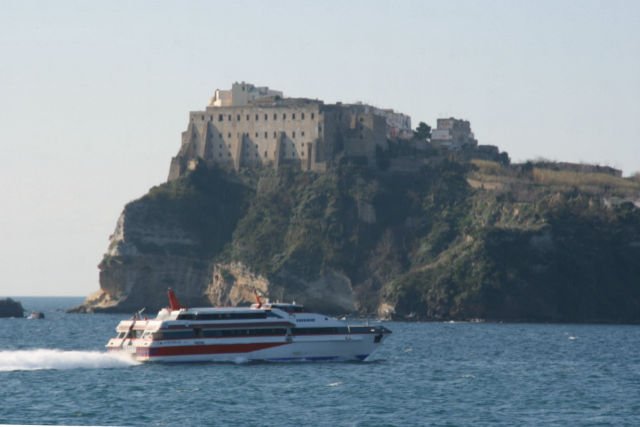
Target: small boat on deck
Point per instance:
(275, 332)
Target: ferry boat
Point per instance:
(275, 332)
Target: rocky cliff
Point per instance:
(451, 241)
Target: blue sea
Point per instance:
(55, 371)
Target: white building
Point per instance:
(241, 94)
(453, 134)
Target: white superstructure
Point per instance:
(262, 332)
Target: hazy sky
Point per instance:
(94, 96)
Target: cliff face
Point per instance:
(425, 245)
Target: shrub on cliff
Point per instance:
(206, 204)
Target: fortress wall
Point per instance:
(249, 135)
(300, 132)
(252, 125)
(355, 131)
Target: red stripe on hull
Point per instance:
(209, 349)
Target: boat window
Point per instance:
(217, 333)
(362, 329)
(268, 331)
(223, 316)
(225, 333)
(174, 335)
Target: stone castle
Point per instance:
(249, 126)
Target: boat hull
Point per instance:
(335, 348)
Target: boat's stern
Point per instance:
(133, 338)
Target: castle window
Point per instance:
(229, 117)
(238, 117)
(257, 117)
(265, 135)
(247, 117)
(256, 134)
(293, 134)
(229, 136)
(275, 134)
(302, 133)
(313, 116)
(319, 128)
(266, 116)
(284, 116)
(265, 154)
(293, 116)
(202, 117)
(302, 116)
(275, 116)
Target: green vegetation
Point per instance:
(540, 179)
(581, 179)
(452, 241)
(202, 207)
(422, 132)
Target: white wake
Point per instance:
(30, 360)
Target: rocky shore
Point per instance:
(11, 308)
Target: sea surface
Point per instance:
(55, 371)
